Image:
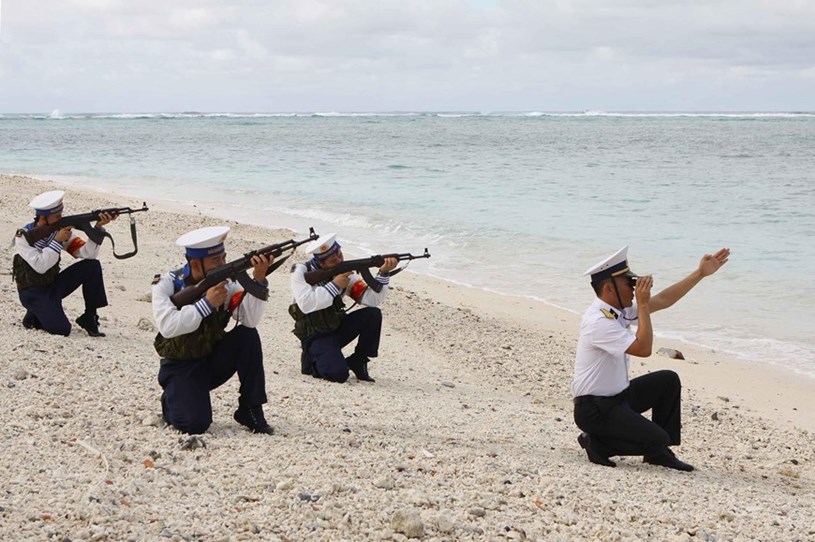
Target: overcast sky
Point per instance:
(406, 55)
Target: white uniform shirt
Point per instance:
(47, 251)
(313, 298)
(172, 321)
(601, 364)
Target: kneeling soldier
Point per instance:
(197, 353)
(608, 404)
(40, 283)
(321, 321)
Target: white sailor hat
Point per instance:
(48, 203)
(615, 265)
(324, 246)
(204, 242)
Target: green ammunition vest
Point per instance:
(319, 322)
(196, 344)
(26, 277)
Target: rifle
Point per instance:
(236, 270)
(362, 267)
(83, 222)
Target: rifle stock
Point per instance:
(83, 222)
(236, 270)
(362, 267)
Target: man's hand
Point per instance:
(711, 263)
(105, 218)
(260, 265)
(644, 342)
(341, 281)
(63, 234)
(643, 290)
(389, 265)
(217, 295)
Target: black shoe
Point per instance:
(585, 442)
(30, 321)
(669, 460)
(252, 417)
(359, 366)
(306, 364)
(90, 323)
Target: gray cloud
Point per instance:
(119, 55)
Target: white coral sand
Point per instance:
(467, 433)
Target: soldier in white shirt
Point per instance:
(197, 353)
(40, 283)
(608, 406)
(322, 323)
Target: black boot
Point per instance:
(252, 417)
(30, 321)
(89, 321)
(585, 442)
(359, 366)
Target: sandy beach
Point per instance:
(467, 433)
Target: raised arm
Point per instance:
(709, 264)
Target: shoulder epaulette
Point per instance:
(156, 278)
(609, 314)
(20, 232)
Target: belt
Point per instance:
(583, 399)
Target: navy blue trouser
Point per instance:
(326, 350)
(187, 383)
(616, 424)
(45, 302)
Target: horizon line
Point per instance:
(422, 111)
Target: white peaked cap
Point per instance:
(48, 201)
(613, 266)
(204, 242)
(322, 244)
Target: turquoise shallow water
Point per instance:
(515, 203)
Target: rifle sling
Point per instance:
(98, 236)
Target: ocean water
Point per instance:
(520, 204)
